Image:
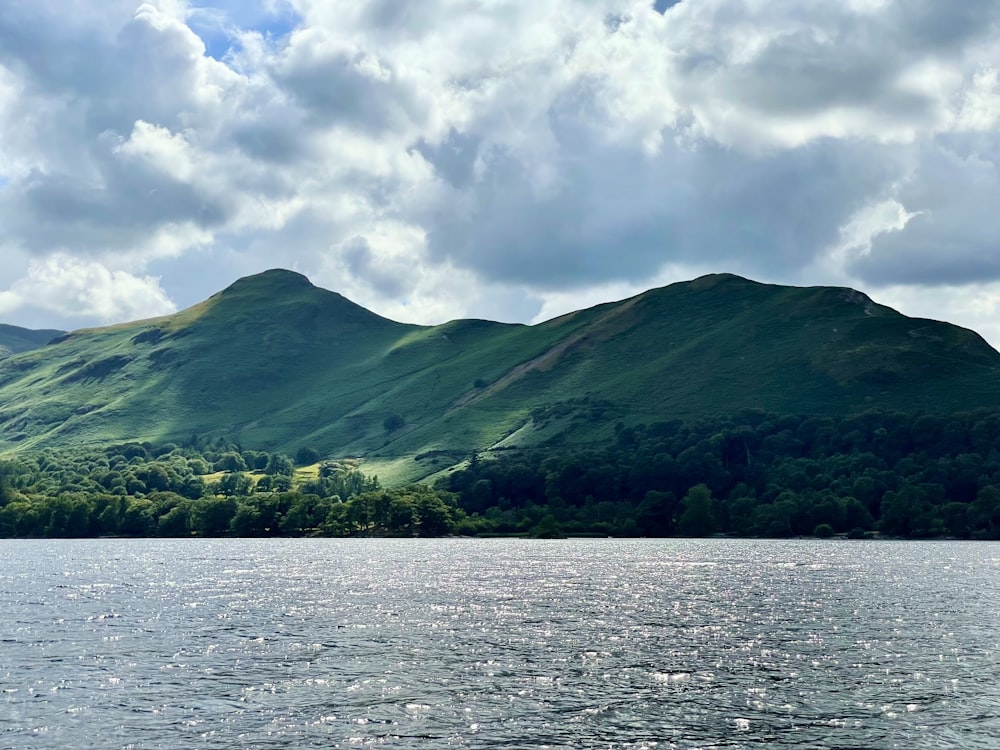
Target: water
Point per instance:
(499, 643)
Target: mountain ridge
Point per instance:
(15, 340)
(274, 362)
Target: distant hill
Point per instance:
(273, 362)
(14, 340)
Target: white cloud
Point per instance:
(81, 289)
(980, 103)
(161, 150)
(497, 158)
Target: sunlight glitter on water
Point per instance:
(498, 643)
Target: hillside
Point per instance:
(276, 363)
(14, 340)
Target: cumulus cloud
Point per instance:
(502, 160)
(67, 289)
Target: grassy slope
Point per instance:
(276, 363)
(14, 340)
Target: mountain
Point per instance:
(273, 362)
(14, 340)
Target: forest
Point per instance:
(206, 489)
(754, 474)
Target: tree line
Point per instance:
(749, 474)
(752, 474)
(206, 489)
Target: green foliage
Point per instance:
(6, 491)
(306, 456)
(212, 516)
(232, 484)
(139, 518)
(146, 490)
(547, 528)
(279, 465)
(752, 474)
(697, 518)
(246, 521)
(230, 461)
(176, 521)
(256, 460)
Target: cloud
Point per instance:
(337, 83)
(498, 159)
(220, 23)
(64, 288)
(953, 236)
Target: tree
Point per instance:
(302, 515)
(434, 517)
(198, 465)
(655, 513)
(546, 528)
(903, 511)
(192, 488)
(256, 460)
(6, 491)
(139, 518)
(855, 514)
(305, 456)
(984, 513)
(230, 461)
(234, 484)
(175, 522)
(479, 497)
(775, 519)
(212, 516)
(955, 517)
(21, 518)
(68, 516)
(401, 514)
(279, 465)
(246, 521)
(109, 511)
(697, 519)
(155, 477)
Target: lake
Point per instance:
(300, 643)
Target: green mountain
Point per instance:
(273, 362)
(14, 340)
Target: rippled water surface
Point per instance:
(499, 643)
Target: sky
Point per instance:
(496, 159)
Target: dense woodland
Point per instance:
(756, 474)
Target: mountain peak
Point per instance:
(282, 300)
(714, 279)
(274, 279)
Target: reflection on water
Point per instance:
(499, 643)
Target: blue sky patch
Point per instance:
(217, 22)
(661, 6)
